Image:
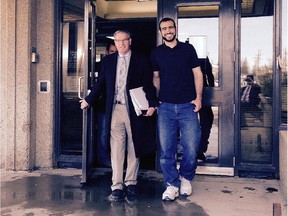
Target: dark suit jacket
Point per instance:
(139, 74)
(254, 98)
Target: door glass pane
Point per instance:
(256, 81)
(210, 134)
(284, 62)
(72, 70)
(198, 25)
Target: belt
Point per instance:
(119, 102)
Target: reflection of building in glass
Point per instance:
(283, 63)
(256, 120)
(208, 28)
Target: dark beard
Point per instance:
(164, 38)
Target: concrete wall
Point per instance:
(26, 115)
(45, 71)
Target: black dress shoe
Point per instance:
(201, 156)
(131, 190)
(117, 195)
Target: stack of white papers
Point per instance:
(139, 100)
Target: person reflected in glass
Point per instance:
(179, 82)
(120, 72)
(206, 113)
(250, 99)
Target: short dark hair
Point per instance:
(166, 19)
(109, 43)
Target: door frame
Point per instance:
(89, 66)
(218, 96)
(257, 169)
(60, 159)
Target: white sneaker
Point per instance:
(186, 187)
(170, 193)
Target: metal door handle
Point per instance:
(79, 87)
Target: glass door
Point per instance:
(209, 27)
(256, 81)
(88, 130)
(200, 30)
(71, 69)
(78, 58)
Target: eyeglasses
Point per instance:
(169, 27)
(121, 41)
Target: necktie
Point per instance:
(245, 96)
(122, 81)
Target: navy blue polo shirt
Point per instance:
(175, 72)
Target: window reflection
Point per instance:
(211, 153)
(206, 114)
(201, 30)
(284, 63)
(72, 69)
(256, 89)
(284, 92)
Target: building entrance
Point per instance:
(212, 28)
(84, 40)
(80, 54)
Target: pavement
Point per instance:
(58, 192)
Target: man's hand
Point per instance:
(84, 104)
(150, 111)
(198, 104)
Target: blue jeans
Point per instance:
(171, 119)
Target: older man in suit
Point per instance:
(120, 72)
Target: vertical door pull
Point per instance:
(79, 87)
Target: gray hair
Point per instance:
(122, 31)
